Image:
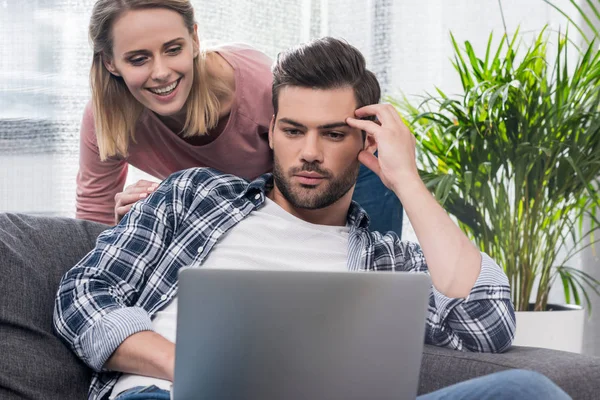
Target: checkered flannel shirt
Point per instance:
(117, 288)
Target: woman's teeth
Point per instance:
(165, 90)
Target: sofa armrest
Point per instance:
(576, 374)
(35, 252)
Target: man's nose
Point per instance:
(311, 148)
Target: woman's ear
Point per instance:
(110, 65)
(196, 41)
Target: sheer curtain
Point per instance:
(45, 58)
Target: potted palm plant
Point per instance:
(515, 159)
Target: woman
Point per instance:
(162, 104)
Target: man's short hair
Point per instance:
(325, 63)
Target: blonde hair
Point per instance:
(116, 111)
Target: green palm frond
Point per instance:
(516, 156)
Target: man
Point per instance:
(116, 309)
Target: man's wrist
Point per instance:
(405, 184)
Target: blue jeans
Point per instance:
(506, 385)
(381, 204)
(144, 393)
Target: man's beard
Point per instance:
(311, 197)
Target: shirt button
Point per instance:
(200, 249)
(163, 297)
(257, 197)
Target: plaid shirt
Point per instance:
(116, 289)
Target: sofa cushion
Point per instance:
(576, 374)
(34, 254)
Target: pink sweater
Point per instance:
(241, 149)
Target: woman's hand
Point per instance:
(132, 193)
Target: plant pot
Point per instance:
(558, 328)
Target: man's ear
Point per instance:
(271, 128)
(370, 144)
(110, 65)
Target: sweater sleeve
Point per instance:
(97, 181)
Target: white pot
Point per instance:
(561, 328)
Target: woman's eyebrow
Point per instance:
(167, 44)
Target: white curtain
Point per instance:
(45, 58)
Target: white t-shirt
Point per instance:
(268, 238)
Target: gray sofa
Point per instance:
(36, 251)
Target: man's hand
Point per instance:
(132, 193)
(453, 261)
(395, 143)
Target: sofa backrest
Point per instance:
(35, 252)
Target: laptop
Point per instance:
(299, 334)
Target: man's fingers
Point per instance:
(364, 125)
(367, 111)
(385, 113)
(391, 113)
(377, 110)
(370, 161)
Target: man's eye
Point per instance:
(292, 132)
(335, 135)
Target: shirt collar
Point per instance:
(357, 217)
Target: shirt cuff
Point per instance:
(100, 341)
(492, 284)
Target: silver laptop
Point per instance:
(299, 335)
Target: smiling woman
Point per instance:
(163, 103)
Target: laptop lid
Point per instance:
(299, 334)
